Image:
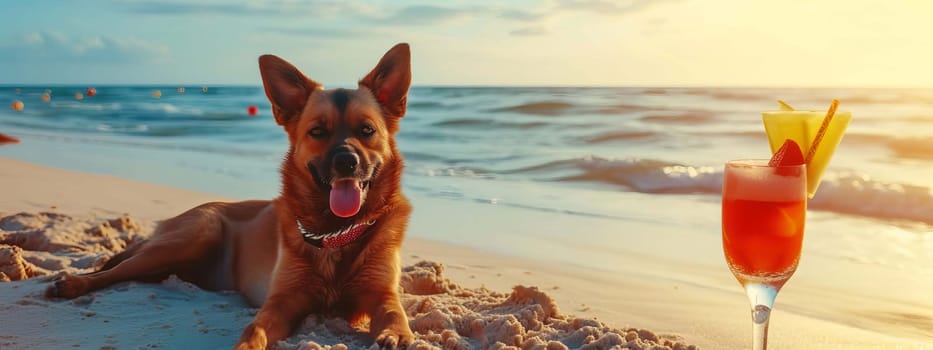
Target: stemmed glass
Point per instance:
(763, 216)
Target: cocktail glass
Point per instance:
(763, 216)
(802, 127)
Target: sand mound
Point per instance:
(13, 267)
(442, 314)
(35, 244)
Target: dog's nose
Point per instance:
(345, 162)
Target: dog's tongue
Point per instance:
(345, 197)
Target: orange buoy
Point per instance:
(252, 110)
(90, 92)
(17, 105)
(156, 93)
(79, 96)
(181, 90)
(46, 97)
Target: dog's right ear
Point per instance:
(286, 87)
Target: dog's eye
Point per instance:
(367, 130)
(317, 132)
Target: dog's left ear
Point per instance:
(390, 80)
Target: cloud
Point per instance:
(287, 8)
(522, 15)
(58, 47)
(608, 7)
(168, 8)
(529, 31)
(430, 14)
(421, 14)
(317, 33)
(536, 17)
(433, 14)
(370, 18)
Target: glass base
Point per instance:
(761, 297)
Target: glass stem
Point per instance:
(761, 297)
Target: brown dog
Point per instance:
(329, 244)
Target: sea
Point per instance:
(595, 177)
(495, 144)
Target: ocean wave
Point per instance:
(487, 123)
(619, 136)
(471, 172)
(916, 119)
(697, 117)
(224, 149)
(434, 135)
(904, 147)
(644, 175)
(915, 147)
(757, 134)
(848, 194)
(424, 104)
(862, 195)
(114, 128)
(222, 116)
(655, 91)
(172, 131)
(738, 96)
(538, 108)
(421, 156)
(890, 98)
(819, 96)
(558, 107)
(168, 108)
(639, 175)
(623, 109)
(87, 106)
(464, 122)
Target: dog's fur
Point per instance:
(257, 248)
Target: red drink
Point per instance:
(763, 216)
(762, 239)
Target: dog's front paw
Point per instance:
(68, 287)
(395, 339)
(253, 338)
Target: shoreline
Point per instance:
(636, 295)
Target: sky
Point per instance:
(789, 43)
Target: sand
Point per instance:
(53, 220)
(36, 247)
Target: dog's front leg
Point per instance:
(278, 316)
(388, 322)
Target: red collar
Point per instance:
(337, 238)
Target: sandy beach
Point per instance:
(77, 219)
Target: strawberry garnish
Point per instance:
(788, 155)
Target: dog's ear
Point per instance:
(390, 80)
(286, 87)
